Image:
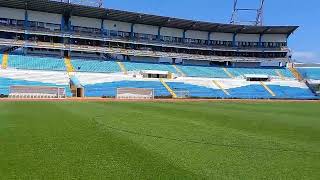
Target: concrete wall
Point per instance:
(44, 17)
(173, 32)
(117, 26)
(145, 29)
(274, 38)
(165, 60)
(144, 59)
(85, 22)
(246, 64)
(196, 62)
(10, 13)
(270, 63)
(197, 34)
(247, 37)
(221, 36)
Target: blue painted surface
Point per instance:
(81, 65)
(267, 71)
(292, 92)
(110, 89)
(197, 91)
(310, 73)
(203, 71)
(245, 92)
(135, 66)
(36, 63)
(1, 56)
(249, 92)
(5, 84)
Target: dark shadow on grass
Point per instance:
(234, 146)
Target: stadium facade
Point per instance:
(105, 50)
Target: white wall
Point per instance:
(197, 34)
(274, 38)
(12, 13)
(117, 26)
(247, 37)
(44, 17)
(173, 32)
(145, 29)
(85, 22)
(221, 36)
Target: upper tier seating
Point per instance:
(134, 66)
(95, 66)
(1, 55)
(36, 63)
(267, 71)
(80, 65)
(310, 73)
(203, 71)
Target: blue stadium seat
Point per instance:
(253, 91)
(1, 55)
(197, 91)
(97, 66)
(267, 71)
(135, 66)
(310, 73)
(110, 89)
(287, 92)
(36, 63)
(203, 71)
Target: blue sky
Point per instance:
(304, 13)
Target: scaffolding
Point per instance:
(258, 21)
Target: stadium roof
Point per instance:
(140, 18)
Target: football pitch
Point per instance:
(158, 140)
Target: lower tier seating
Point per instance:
(238, 89)
(5, 84)
(109, 89)
(32, 78)
(310, 73)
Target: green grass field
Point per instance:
(125, 140)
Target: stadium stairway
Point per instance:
(173, 94)
(122, 67)
(4, 63)
(228, 73)
(215, 82)
(68, 64)
(268, 89)
(296, 73)
(280, 74)
(179, 70)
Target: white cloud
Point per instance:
(306, 56)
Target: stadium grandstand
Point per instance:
(59, 49)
